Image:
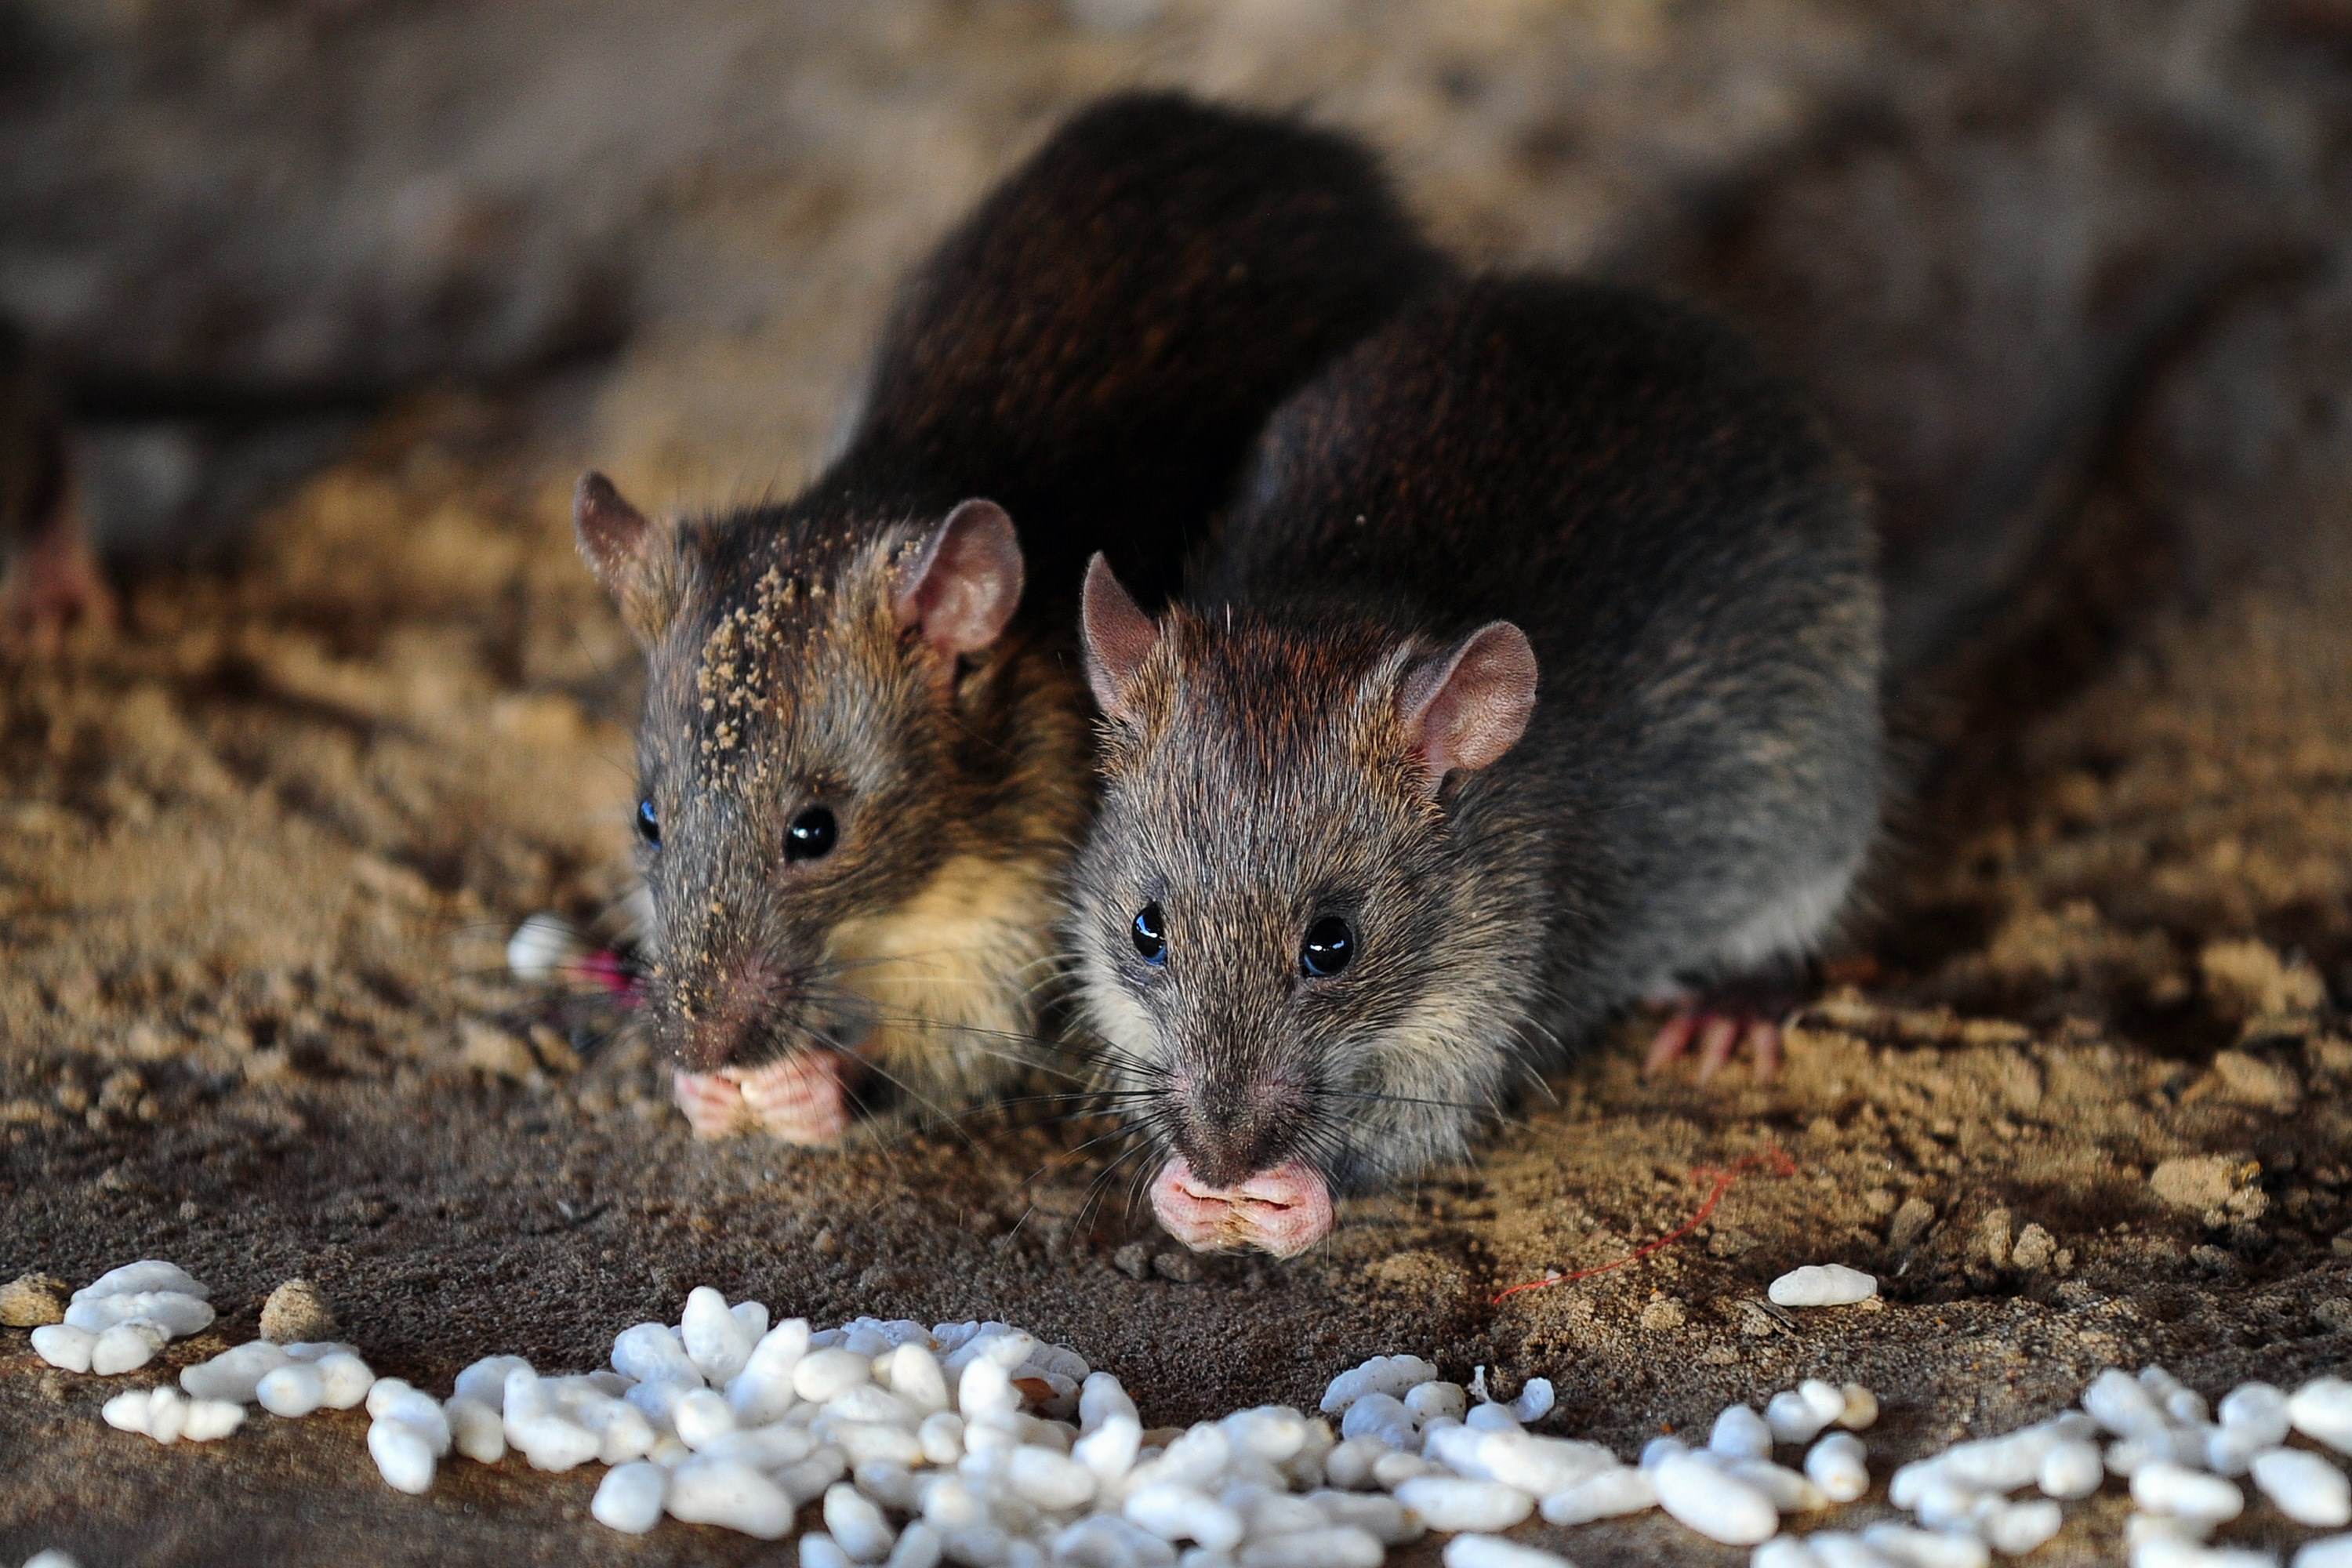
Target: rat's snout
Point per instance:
(1232, 1180)
(720, 1018)
(1283, 1211)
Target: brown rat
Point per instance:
(863, 753)
(49, 579)
(1358, 863)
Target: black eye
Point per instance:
(649, 822)
(1148, 940)
(1330, 944)
(812, 835)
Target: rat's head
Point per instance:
(810, 690)
(1281, 944)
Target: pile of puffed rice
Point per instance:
(980, 1445)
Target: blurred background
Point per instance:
(238, 229)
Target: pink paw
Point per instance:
(803, 1098)
(1718, 1034)
(713, 1104)
(1283, 1211)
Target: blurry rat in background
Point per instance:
(863, 753)
(49, 580)
(1537, 676)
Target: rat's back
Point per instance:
(1096, 345)
(1691, 559)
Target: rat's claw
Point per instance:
(1718, 1037)
(713, 1104)
(1674, 1038)
(803, 1098)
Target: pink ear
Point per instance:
(961, 588)
(1118, 637)
(1466, 706)
(624, 550)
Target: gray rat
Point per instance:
(49, 579)
(864, 756)
(1357, 862)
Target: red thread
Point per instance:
(1772, 1156)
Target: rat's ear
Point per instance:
(962, 586)
(1119, 637)
(1464, 706)
(627, 553)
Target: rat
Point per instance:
(1537, 674)
(863, 753)
(49, 579)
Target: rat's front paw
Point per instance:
(803, 1099)
(1717, 1034)
(713, 1104)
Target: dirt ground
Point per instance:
(2077, 1087)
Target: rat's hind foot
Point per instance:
(1718, 1035)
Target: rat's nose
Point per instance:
(1283, 1211)
(717, 1018)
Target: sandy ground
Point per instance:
(2078, 1087)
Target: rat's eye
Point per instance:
(812, 835)
(649, 822)
(1148, 941)
(1330, 945)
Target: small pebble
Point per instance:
(2307, 1487)
(31, 1300)
(51, 1558)
(1493, 1552)
(296, 1312)
(1821, 1285)
(2328, 1551)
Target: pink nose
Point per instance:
(1283, 1211)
